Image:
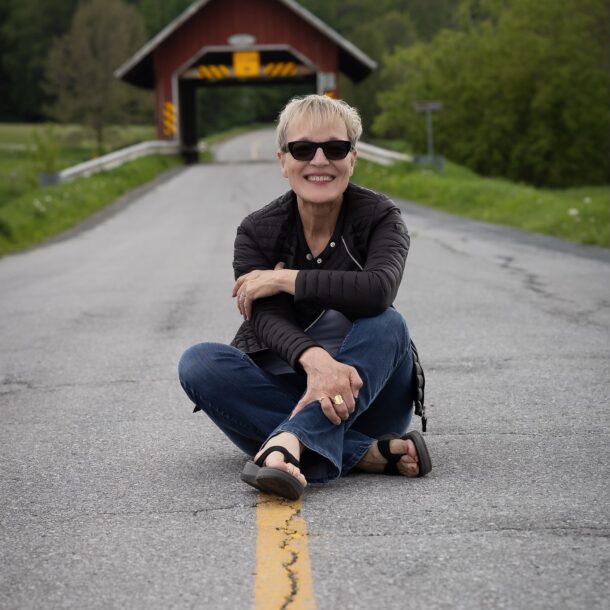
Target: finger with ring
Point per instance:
(338, 399)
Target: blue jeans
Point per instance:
(250, 405)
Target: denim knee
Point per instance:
(197, 366)
(395, 324)
(389, 328)
(189, 365)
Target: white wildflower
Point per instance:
(587, 200)
(39, 205)
(573, 212)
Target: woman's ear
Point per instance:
(282, 159)
(352, 161)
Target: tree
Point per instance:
(27, 29)
(158, 13)
(80, 67)
(242, 105)
(525, 91)
(377, 36)
(378, 27)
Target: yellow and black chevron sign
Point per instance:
(280, 68)
(169, 119)
(213, 72)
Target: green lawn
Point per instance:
(578, 214)
(20, 162)
(30, 214)
(117, 135)
(41, 213)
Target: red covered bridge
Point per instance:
(222, 42)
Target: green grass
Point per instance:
(43, 212)
(116, 136)
(577, 214)
(30, 214)
(20, 164)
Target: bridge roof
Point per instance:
(139, 69)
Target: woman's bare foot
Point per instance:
(373, 461)
(276, 459)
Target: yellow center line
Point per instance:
(283, 572)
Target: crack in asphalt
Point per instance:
(599, 532)
(127, 513)
(23, 384)
(179, 310)
(219, 508)
(532, 283)
(530, 280)
(289, 534)
(449, 247)
(11, 380)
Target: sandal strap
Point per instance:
(288, 457)
(393, 458)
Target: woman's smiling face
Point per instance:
(319, 181)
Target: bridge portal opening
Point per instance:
(270, 44)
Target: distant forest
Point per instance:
(524, 83)
(29, 28)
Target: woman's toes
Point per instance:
(408, 464)
(276, 460)
(411, 451)
(407, 467)
(296, 473)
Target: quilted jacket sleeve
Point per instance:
(368, 292)
(273, 318)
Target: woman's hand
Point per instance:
(262, 283)
(328, 379)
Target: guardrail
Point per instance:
(111, 160)
(381, 155)
(165, 147)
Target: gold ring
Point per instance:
(338, 399)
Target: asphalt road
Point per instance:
(113, 495)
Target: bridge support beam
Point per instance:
(187, 115)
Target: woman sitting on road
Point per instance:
(322, 376)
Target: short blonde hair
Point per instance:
(321, 110)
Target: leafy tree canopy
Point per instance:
(525, 90)
(27, 31)
(79, 71)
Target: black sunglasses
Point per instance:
(303, 150)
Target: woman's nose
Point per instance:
(319, 158)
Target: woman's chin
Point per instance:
(320, 194)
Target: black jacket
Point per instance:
(361, 279)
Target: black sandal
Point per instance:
(424, 461)
(273, 480)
